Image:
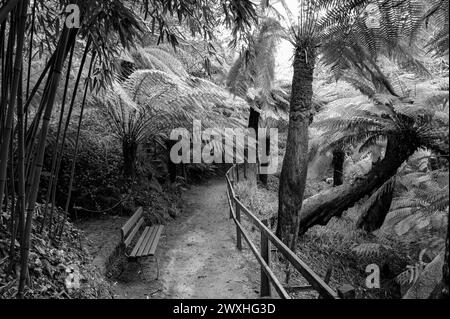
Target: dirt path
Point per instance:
(197, 255)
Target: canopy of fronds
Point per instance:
(161, 96)
(252, 76)
(355, 33)
(365, 119)
(437, 15)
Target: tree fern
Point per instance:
(255, 66)
(154, 58)
(152, 102)
(423, 118)
(347, 40)
(438, 14)
(422, 201)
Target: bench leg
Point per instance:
(157, 268)
(141, 272)
(141, 269)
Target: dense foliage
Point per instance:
(86, 115)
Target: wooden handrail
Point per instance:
(314, 280)
(277, 285)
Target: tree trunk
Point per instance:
(265, 163)
(129, 149)
(338, 167)
(253, 123)
(319, 209)
(171, 166)
(373, 218)
(295, 163)
(253, 120)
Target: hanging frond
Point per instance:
(160, 96)
(356, 32)
(438, 15)
(154, 58)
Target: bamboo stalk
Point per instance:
(6, 80)
(30, 56)
(54, 156)
(33, 20)
(74, 160)
(7, 8)
(21, 164)
(67, 124)
(39, 158)
(38, 83)
(13, 225)
(2, 66)
(13, 95)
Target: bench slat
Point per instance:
(130, 223)
(144, 242)
(139, 243)
(133, 233)
(149, 241)
(152, 249)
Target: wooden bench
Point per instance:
(148, 241)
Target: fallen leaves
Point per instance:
(56, 269)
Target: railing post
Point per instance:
(231, 204)
(238, 232)
(237, 172)
(265, 254)
(245, 170)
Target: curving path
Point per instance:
(197, 255)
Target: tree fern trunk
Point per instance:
(263, 177)
(253, 120)
(171, 166)
(253, 123)
(129, 149)
(319, 209)
(338, 167)
(295, 164)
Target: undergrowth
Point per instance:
(339, 245)
(57, 269)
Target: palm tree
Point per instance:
(337, 32)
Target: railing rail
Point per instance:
(263, 257)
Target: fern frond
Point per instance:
(369, 250)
